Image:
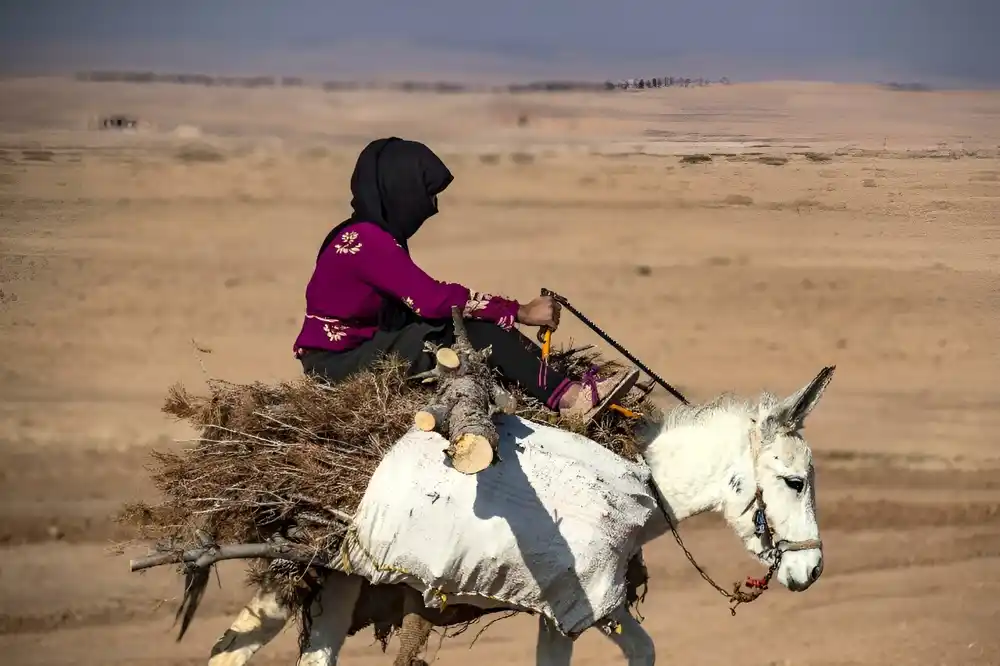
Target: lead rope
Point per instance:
(737, 595)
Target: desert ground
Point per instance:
(832, 224)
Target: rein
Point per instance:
(762, 526)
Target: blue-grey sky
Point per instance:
(937, 41)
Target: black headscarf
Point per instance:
(394, 184)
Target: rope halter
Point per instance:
(773, 550)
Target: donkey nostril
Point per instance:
(816, 571)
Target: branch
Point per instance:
(433, 417)
(446, 360)
(461, 334)
(206, 556)
(467, 397)
(473, 437)
(429, 376)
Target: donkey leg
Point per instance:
(332, 613)
(552, 649)
(634, 641)
(414, 632)
(257, 624)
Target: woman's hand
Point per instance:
(542, 311)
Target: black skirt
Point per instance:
(516, 359)
(406, 342)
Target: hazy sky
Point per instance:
(938, 41)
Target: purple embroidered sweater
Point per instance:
(364, 264)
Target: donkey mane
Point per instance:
(730, 403)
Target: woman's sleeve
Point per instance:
(385, 266)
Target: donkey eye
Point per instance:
(795, 483)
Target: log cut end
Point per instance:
(447, 358)
(470, 454)
(425, 421)
(466, 399)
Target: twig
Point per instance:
(320, 520)
(209, 555)
(339, 515)
(428, 376)
(461, 335)
(281, 423)
(199, 350)
(573, 351)
(490, 624)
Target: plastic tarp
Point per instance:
(549, 529)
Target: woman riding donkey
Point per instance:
(367, 298)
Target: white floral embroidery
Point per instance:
(335, 331)
(349, 243)
(409, 303)
(476, 302)
(506, 322)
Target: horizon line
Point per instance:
(451, 85)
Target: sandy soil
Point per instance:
(877, 251)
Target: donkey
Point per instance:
(746, 460)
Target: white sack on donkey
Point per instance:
(548, 530)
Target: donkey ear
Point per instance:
(791, 412)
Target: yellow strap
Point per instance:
(624, 411)
(547, 345)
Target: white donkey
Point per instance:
(745, 460)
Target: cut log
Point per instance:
(467, 396)
(447, 358)
(432, 417)
(471, 454)
(470, 422)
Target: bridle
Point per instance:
(773, 550)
